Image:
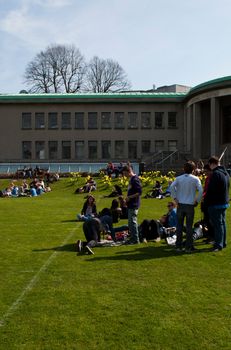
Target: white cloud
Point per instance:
(154, 41)
(31, 28)
(53, 3)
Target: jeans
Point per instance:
(185, 211)
(217, 219)
(133, 225)
(120, 228)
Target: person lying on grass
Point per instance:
(89, 186)
(93, 229)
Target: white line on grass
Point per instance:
(32, 282)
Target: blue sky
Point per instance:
(159, 42)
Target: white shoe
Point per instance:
(89, 250)
(79, 246)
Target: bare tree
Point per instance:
(68, 67)
(60, 68)
(37, 74)
(105, 75)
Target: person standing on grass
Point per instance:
(204, 209)
(133, 202)
(187, 193)
(217, 201)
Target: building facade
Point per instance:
(116, 126)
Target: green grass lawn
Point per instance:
(128, 297)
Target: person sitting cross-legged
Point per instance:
(89, 209)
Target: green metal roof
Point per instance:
(210, 83)
(113, 97)
(122, 95)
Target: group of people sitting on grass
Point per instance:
(187, 192)
(113, 170)
(101, 224)
(118, 209)
(33, 189)
(157, 191)
(37, 172)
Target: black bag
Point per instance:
(149, 229)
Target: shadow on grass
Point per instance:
(148, 252)
(71, 247)
(137, 253)
(72, 220)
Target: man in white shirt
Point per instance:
(187, 193)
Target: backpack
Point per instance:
(149, 229)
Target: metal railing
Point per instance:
(59, 167)
(169, 159)
(153, 158)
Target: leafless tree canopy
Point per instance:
(62, 68)
(57, 69)
(104, 75)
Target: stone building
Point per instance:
(98, 127)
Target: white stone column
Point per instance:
(188, 130)
(214, 119)
(196, 131)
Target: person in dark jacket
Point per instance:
(133, 202)
(116, 192)
(92, 230)
(204, 209)
(217, 201)
(94, 227)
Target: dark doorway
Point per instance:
(226, 123)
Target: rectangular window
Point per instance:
(92, 120)
(79, 150)
(52, 120)
(119, 120)
(26, 149)
(119, 149)
(26, 121)
(79, 120)
(172, 120)
(145, 120)
(132, 120)
(159, 145)
(39, 121)
(39, 149)
(172, 145)
(159, 120)
(132, 149)
(53, 149)
(146, 146)
(66, 149)
(106, 149)
(66, 120)
(92, 150)
(106, 120)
